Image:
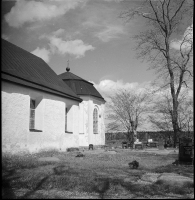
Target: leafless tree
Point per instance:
(173, 65)
(126, 111)
(161, 118)
(185, 114)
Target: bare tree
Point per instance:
(185, 115)
(173, 65)
(126, 111)
(161, 118)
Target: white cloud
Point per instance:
(109, 87)
(58, 32)
(187, 40)
(42, 53)
(58, 45)
(30, 11)
(74, 47)
(110, 32)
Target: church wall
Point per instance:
(49, 119)
(102, 124)
(15, 118)
(83, 124)
(95, 139)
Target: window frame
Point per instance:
(32, 114)
(66, 122)
(32, 117)
(95, 120)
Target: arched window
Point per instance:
(95, 121)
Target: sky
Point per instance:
(88, 33)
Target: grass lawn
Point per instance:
(100, 174)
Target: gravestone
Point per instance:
(161, 144)
(150, 140)
(153, 144)
(138, 146)
(130, 145)
(91, 146)
(185, 150)
(124, 145)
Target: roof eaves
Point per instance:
(25, 82)
(101, 98)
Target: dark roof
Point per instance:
(70, 76)
(79, 85)
(20, 66)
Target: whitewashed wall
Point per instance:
(50, 118)
(83, 124)
(89, 137)
(15, 118)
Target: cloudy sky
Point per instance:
(87, 32)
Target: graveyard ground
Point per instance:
(99, 174)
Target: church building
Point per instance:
(45, 111)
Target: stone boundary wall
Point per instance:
(142, 135)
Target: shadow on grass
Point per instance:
(66, 178)
(7, 191)
(157, 188)
(185, 170)
(12, 163)
(63, 178)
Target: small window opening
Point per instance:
(32, 114)
(95, 121)
(66, 121)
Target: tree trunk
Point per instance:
(173, 94)
(175, 120)
(135, 134)
(129, 135)
(134, 128)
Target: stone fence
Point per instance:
(145, 135)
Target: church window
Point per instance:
(66, 119)
(36, 115)
(69, 122)
(32, 114)
(95, 121)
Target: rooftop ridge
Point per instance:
(24, 65)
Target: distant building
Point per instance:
(42, 110)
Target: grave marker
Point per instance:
(138, 146)
(185, 150)
(124, 145)
(161, 144)
(90, 146)
(153, 144)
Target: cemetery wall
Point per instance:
(144, 135)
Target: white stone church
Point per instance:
(42, 110)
